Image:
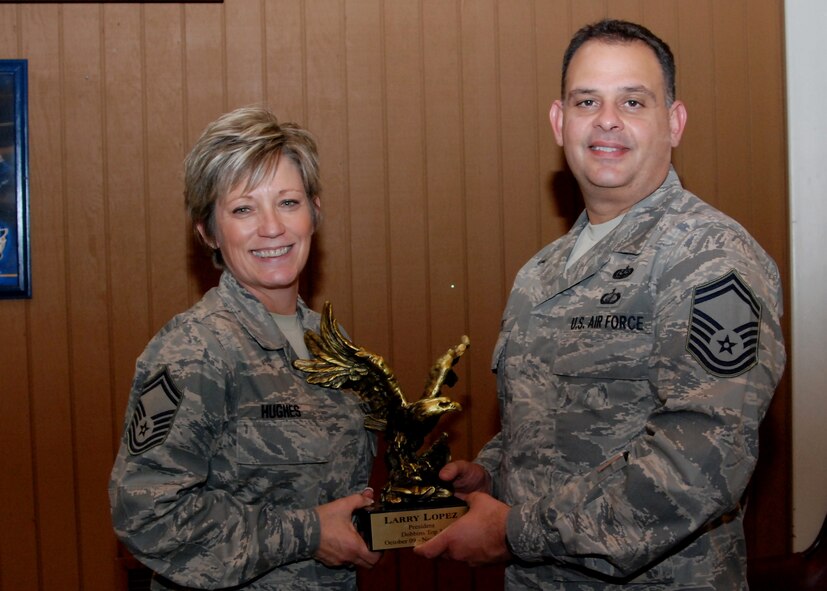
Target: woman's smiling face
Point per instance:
(264, 234)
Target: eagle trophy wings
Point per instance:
(339, 363)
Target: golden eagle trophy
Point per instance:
(415, 504)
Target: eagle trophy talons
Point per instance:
(339, 363)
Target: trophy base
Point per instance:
(386, 527)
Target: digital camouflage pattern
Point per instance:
(227, 450)
(631, 389)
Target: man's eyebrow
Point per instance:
(638, 89)
(624, 89)
(579, 91)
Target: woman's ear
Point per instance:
(316, 204)
(205, 236)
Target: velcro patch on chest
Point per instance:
(724, 325)
(152, 418)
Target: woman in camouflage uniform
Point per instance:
(233, 471)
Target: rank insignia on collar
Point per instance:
(724, 325)
(152, 418)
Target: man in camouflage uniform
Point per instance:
(633, 372)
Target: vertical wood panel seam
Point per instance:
(30, 391)
(499, 114)
(105, 188)
(304, 54)
(463, 189)
(262, 20)
(423, 146)
(185, 116)
(66, 277)
(346, 203)
(107, 279)
(386, 176)
(70, 342)
(225, 78)
(147, 183)
(117, 421)
(714, 109)
(538, 216)
(189, 139)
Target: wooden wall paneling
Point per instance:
(661, 17)
(520, 131)
(327, 118)
(728, 37)
(50, 399)
(167, 226)
(245, 30)
(285, 55)
(367, 176)
(18, 554)
(487, 283)
(482, 180)
(551, 34)
(584, 12)
(125, 157)
(696, 86)
(446, 203)
(408, 249)
(630, 10)
(89, 289)
(764, 62)
(205, 98)
(408, 208)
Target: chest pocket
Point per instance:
(282, 441)
(619, 347)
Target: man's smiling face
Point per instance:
(615, 126)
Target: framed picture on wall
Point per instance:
(15, 271)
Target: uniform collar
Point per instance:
(628, 238)
(252, 315)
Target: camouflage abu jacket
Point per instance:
(227, 450)
(631, 388)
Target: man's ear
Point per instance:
(555, 115)
(677, 122)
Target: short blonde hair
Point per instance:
(244, 145)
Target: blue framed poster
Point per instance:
(15, 270)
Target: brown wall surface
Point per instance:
(439, 173)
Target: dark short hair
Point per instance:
(618, 31)
(244, 145)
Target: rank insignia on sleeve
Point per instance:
(152, 418)
(724, 325)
